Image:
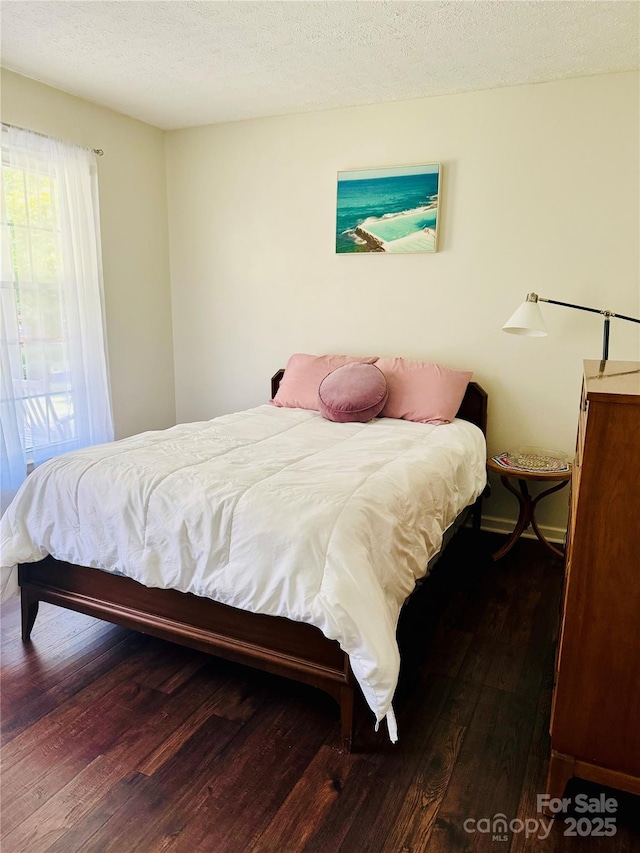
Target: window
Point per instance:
(55, 394)
(44, 388)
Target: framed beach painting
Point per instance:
(392, 210)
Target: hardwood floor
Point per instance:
(113, 741)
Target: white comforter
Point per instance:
(272, 510)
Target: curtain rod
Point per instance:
(97, 151)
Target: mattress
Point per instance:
(271, 510)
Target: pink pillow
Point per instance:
(422, 392)
(354, 392)
(303, 375)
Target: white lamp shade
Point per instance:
(527, 320)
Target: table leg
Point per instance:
(557, 551)
(526, 516)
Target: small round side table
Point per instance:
(526, 517)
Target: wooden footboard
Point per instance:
(271, 643)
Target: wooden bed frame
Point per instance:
(272, 643)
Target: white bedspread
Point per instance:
(272, 510)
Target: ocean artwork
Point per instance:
(388, 210)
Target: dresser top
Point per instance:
(619, 380)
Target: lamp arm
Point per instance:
(533, 297)
(585, 308)
(624, 317)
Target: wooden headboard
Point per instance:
(473, 407)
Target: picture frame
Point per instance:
(388, 210)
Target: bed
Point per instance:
(280, 645)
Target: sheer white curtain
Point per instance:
(55, 388)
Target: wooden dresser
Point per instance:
(595, 716)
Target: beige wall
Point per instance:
(133, 219)
(540, 193)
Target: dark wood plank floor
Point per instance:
(113, 741)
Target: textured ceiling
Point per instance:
(179, 63)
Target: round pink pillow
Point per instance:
(354, 392)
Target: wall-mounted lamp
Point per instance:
(528, 319)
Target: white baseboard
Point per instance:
(506, 525)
